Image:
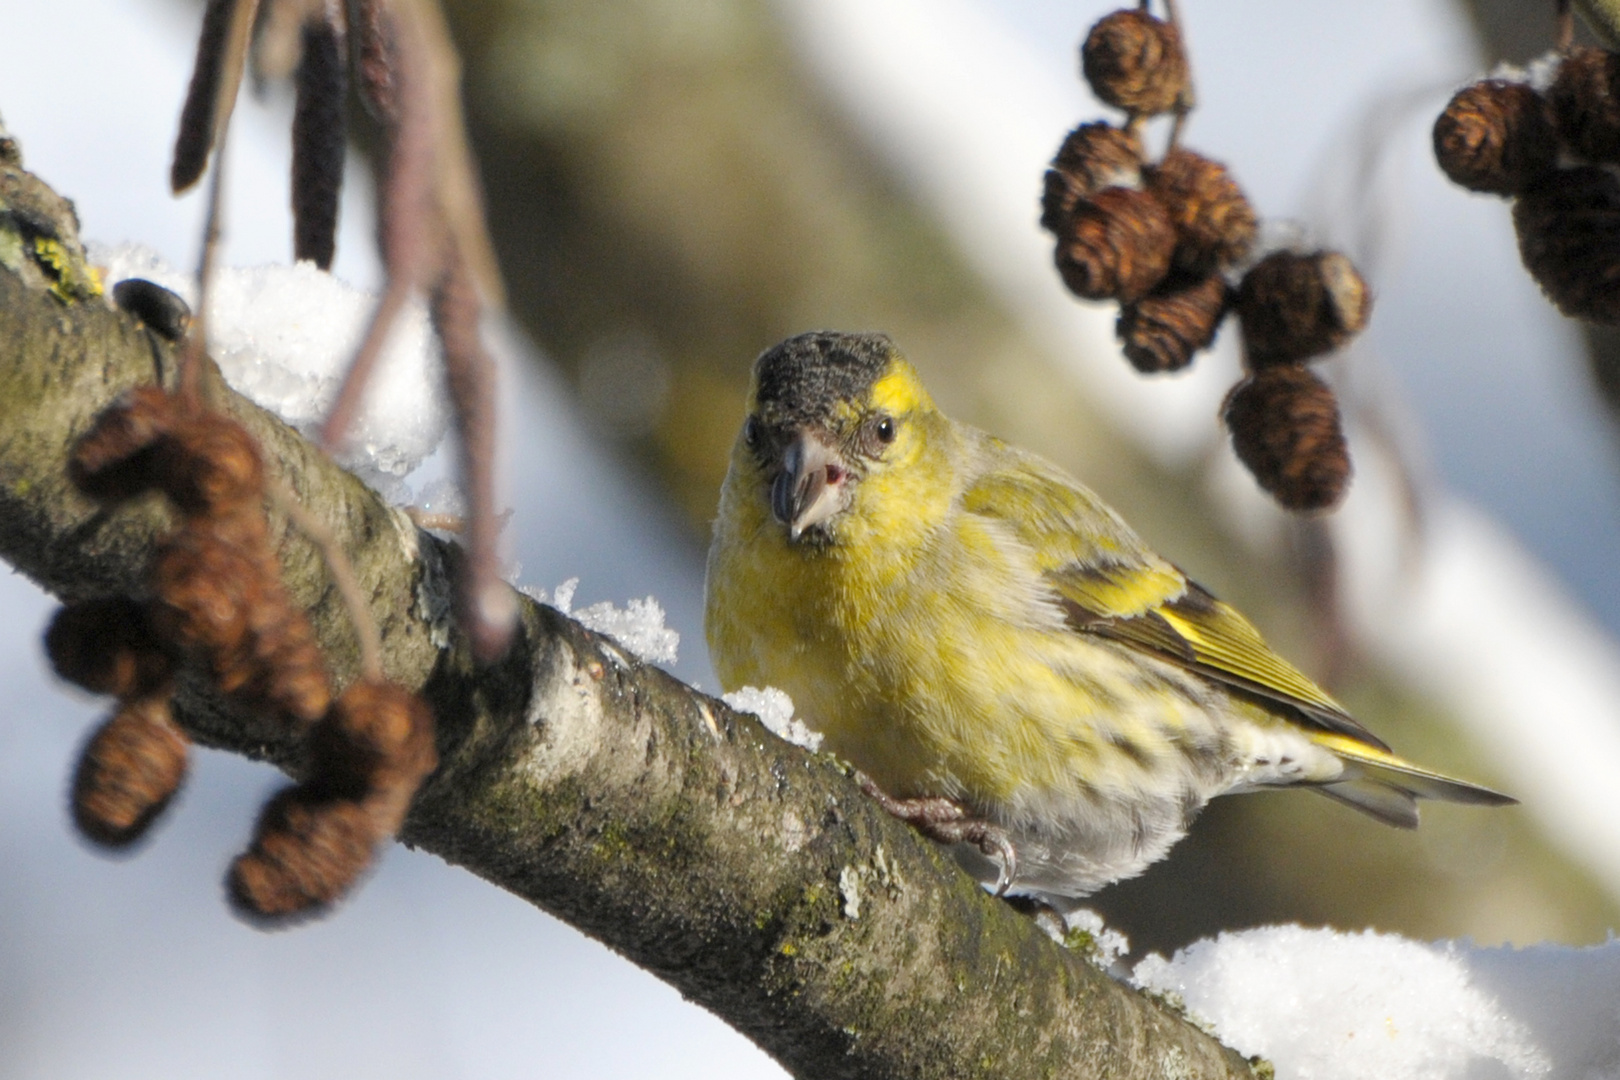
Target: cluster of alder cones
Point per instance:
(216, 601)
(1173, 242)
(1555, 152)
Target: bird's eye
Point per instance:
(751, 432)
(885, 430)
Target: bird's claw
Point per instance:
(949, 822)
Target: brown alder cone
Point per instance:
(1569, 239)
(1135, 62)
(1585, 100)
(128, 772)
(1215, 225)
(1285, 427)
(1496, 136)
(1294, 306)
(367, 758)
(1093, 156)
(224, 600)
(305, 855)
(210, 464)
(1117, 245)
(115, 459)
(108, 646)
(1163, 330)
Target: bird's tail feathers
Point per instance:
(1386, 787)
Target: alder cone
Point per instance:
(1569, 239)
(1163, 330)
(128, 772)
(1285, 428)
(204, 590)
(1117, 245)
(1294, 306)
(116, 458)
(1093, 156)
(1215, 225)
(1585, 100)
(1496, 136)
(1135, 62)
(108, 646)
(211, 464)
(306, 854)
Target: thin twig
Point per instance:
(343, 576)
(486, 607)
(1565, 33)
(196, 348)
(407, 218)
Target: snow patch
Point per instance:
(1324, 1005)
(775, 710)
(638, 626)
(283, 336)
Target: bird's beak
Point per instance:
(810, 487)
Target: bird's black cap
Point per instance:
(800, 381)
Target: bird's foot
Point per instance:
(949, 822)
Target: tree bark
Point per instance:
(749, 874)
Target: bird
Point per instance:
(1009, 667)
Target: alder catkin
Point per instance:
(1117, 245)
(1569, 238)
(1295, 306)
(128, 772)
(1215, 225)
(1496, 136)
(1093, 156)
(1163, 330)
(1285, 427)
(1135, 62)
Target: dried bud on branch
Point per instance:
(1294, 307)
(1585, 100)
(1093, 156)
(1285, 427)
(1215, 225)
(1135, 62)
(128, 772)
(163, 312)
(1117, 245)
(1496, 136)
(1569, 239)
(1162, 331)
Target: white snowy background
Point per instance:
(133, 968)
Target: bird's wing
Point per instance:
(1112, 585)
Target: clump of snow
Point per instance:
(1085, 931)
(1539, 74)
(639, 626)
(283, 336)
(775, 710)
(1323, 1005)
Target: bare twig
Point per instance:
(196, 346)
(485, 603)
(343, 576)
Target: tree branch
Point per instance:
(749, 874)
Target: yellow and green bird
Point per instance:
(974, 629)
